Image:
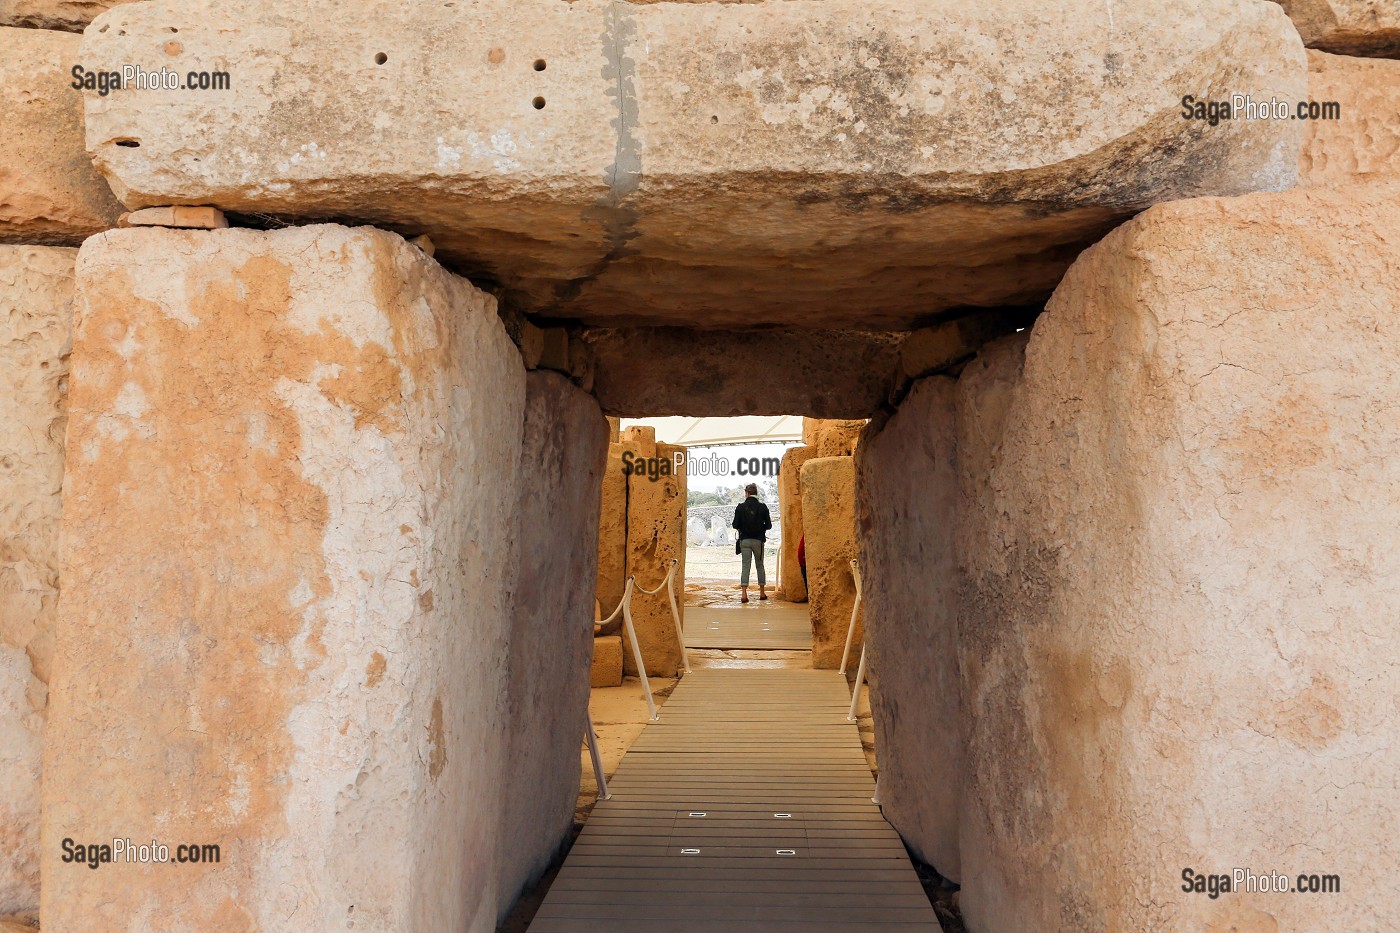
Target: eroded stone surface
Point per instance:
(49, 191)
(612, 533)
(1365, 142)
(829, 523)
(655, 537)
(70, 15)
(36, 290)
(790, 499)
(311, 106)
(815, 163)
(832, 437)
(843, 374)
(551, 633)
(292, 470)
(906, 504)
(1348, 27)
(1176, 572)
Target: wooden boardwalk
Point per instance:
(746, 809)
(757, 625)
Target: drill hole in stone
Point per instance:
(539, 103)
(380, 58)
(128, 143)
(539, 64)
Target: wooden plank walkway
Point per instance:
(757, 625)
(746, 809)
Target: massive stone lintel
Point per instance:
(816, 163)
(1177, 630)
(655, 371)
(36, 290)
(292, 474)
(906, 504)
(551, 637)
(1348, 27)
(49, 191)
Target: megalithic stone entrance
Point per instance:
(292, 471)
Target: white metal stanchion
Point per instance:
(855, 690)
(670, 585)
(851, 629)
(592, 738)
(636, 648)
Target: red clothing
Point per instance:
(802, 551)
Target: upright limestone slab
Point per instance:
(811, 163)
(906, 502)
(829, 522)
(292, 473)
(790, 499)
(49, 191)
(551, 635)
(655, 537)
(1177, 636)
(36, 291)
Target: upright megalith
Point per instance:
(656, 499)
(292, 477)
(551, 633)
(49, 191)
(1176, 632)
(790, 503)
(36, 291)
(829, 523)
(810, 163)
(906, 505)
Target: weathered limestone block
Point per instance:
(1347, 27)
(814, 163)
(832, 374)
(906, 495)
(69, 15)
(1180, 579)
(551, 635)
(832, 438)
(291, 478)
(829, 522)
(1365, 143)
(21, 748)
(612, 532)
(49, 190)
(319, 120)
(655, 537)
(606, 667)
(36, 290)
(790, 504)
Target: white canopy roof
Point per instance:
(710, 432)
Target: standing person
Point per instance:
(752, 522)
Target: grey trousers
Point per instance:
(752, 550)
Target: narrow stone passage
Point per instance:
(746, 808)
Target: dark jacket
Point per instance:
(751, 520)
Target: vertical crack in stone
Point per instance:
(624, 176)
